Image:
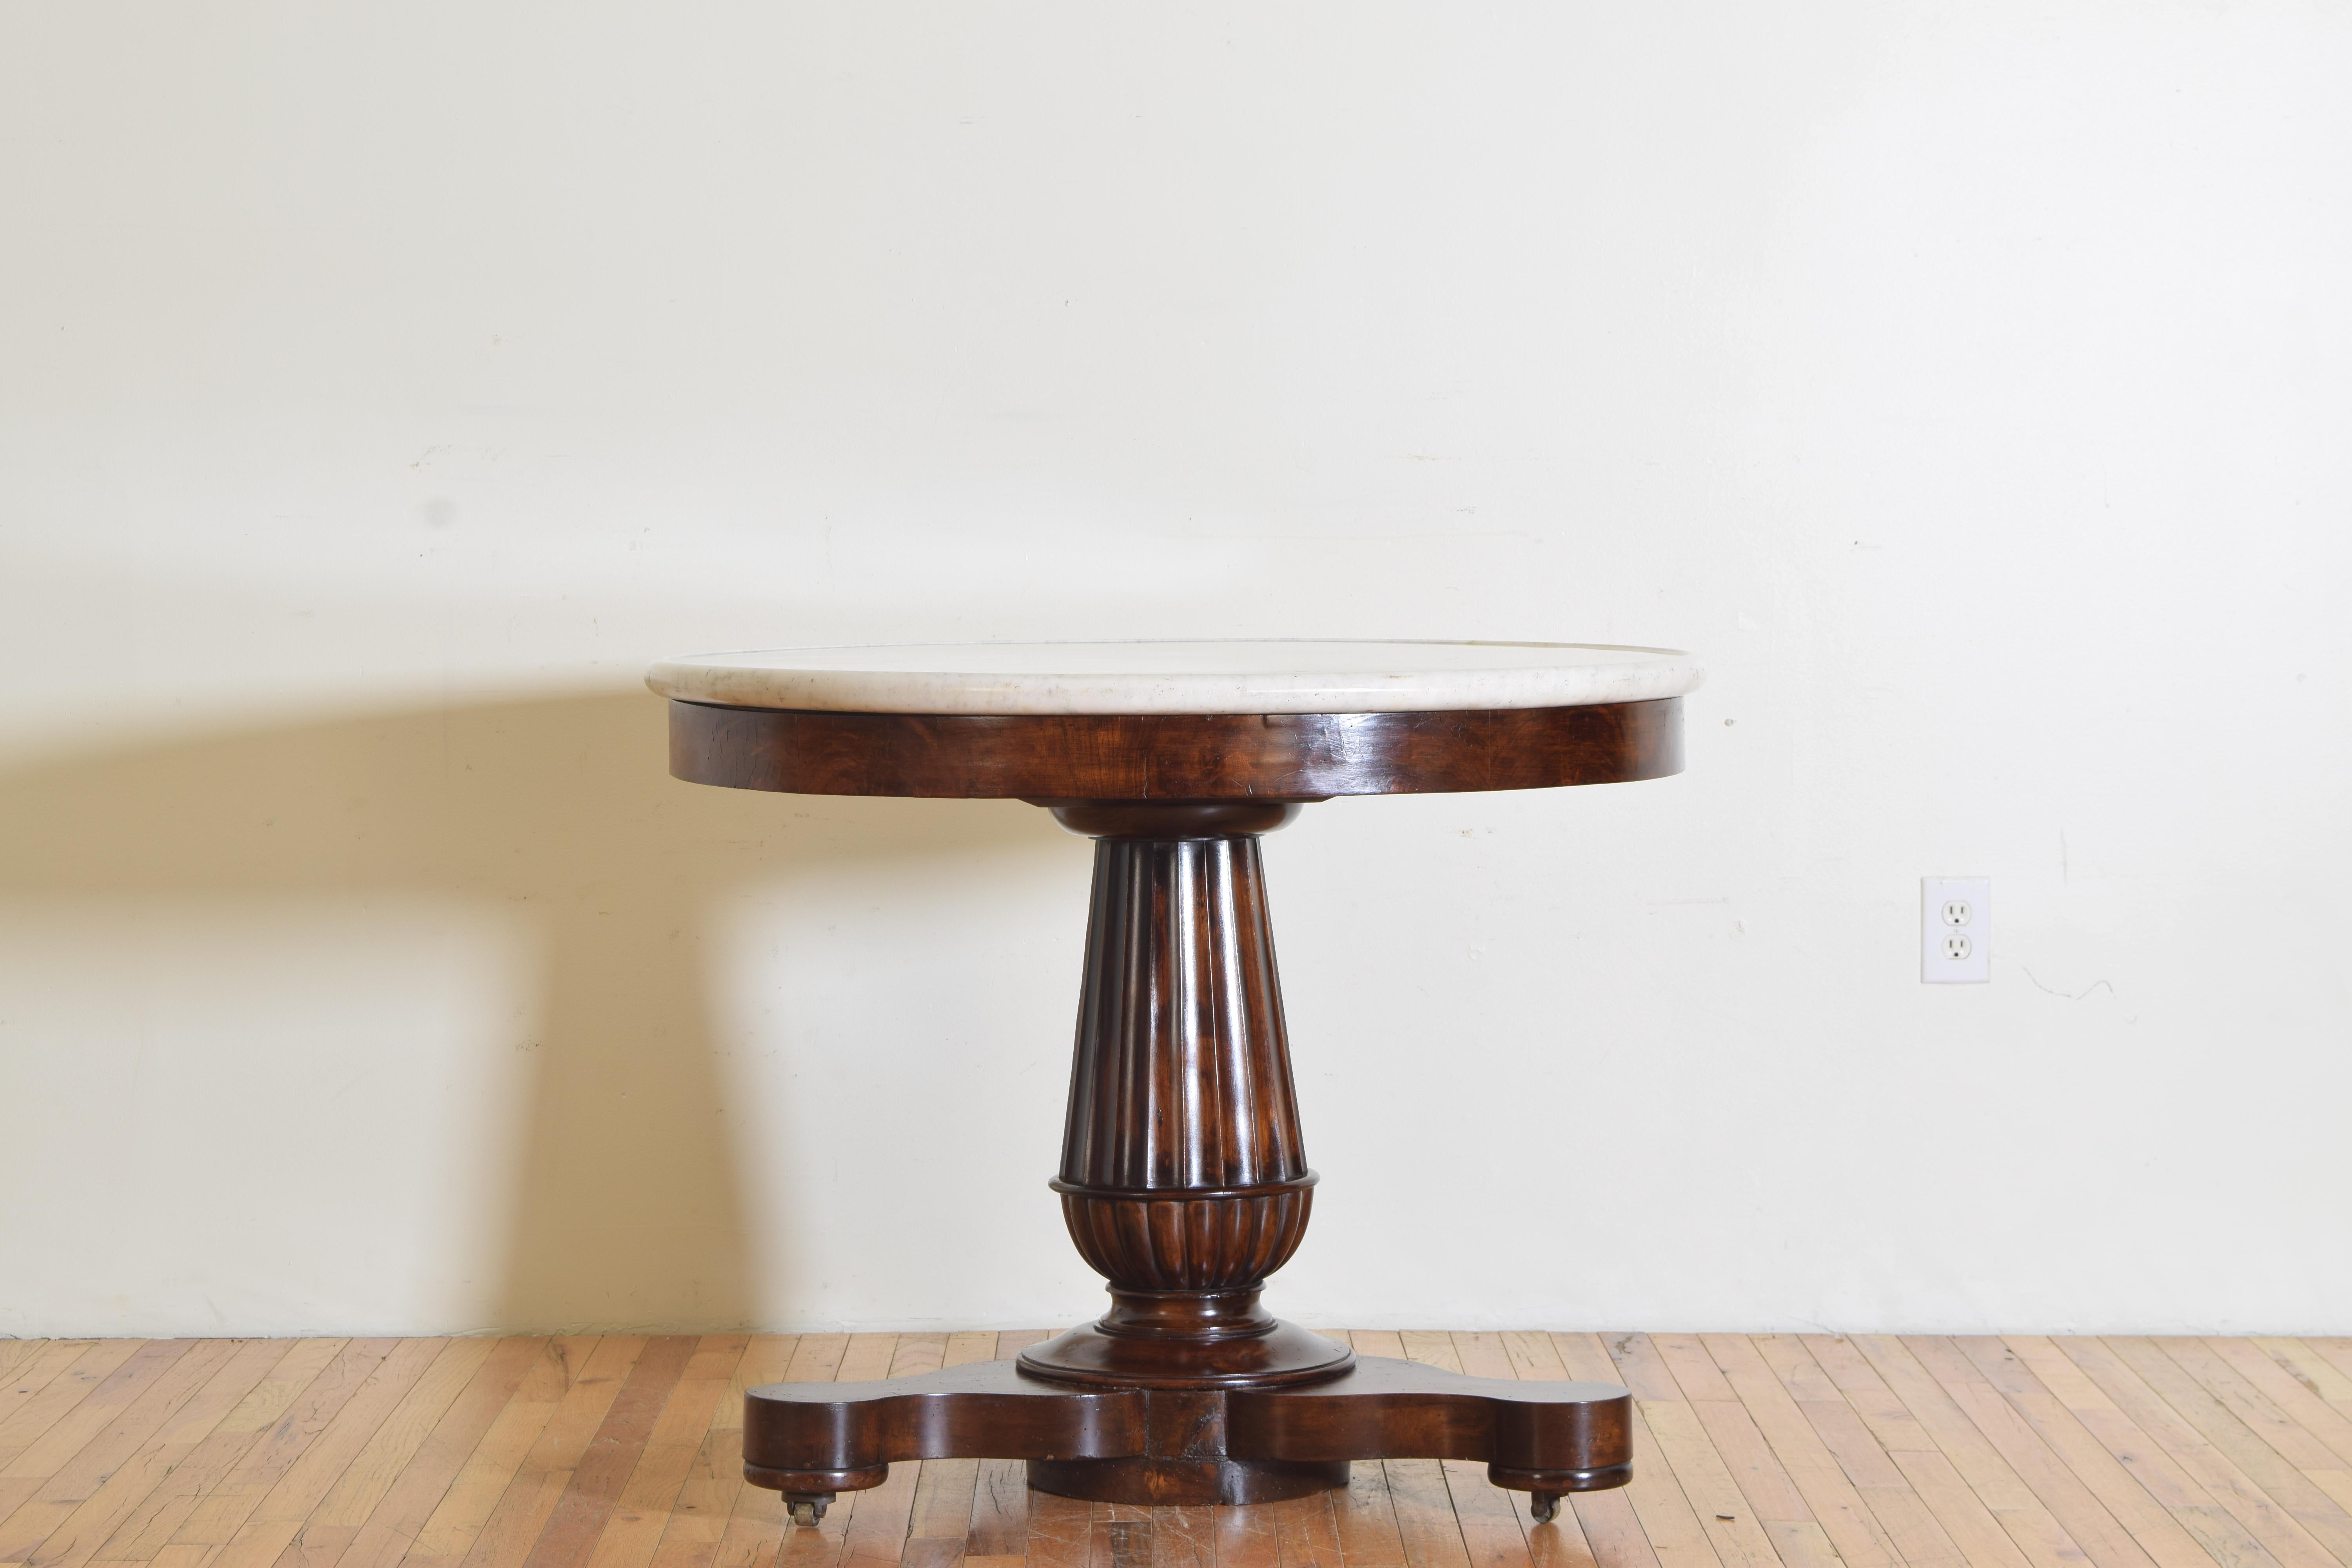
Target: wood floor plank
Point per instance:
(475, 1494)
(1913, 1532)
(1772, 1496)
(1365, 1516)
(2151, 1441)
(999, 1523)
(331, 1526)
(1489, 1519)
(1120, 1536)
(72, 1475)
(1826, 1452)
(1305, 1531)
(1670, 1524)
(1852, 1527)
(867, 1358)
(876, 1536)
(1430, 1348)
(972, 1345)
(641, 1511)
(1424, 1515)
(1957, 1459)
(2293, 1397)
(1181, 1538)
(1723, 1512)
(1245, 1538)
(1985, 1535)
(288, 1466)
(51, 1360)
(1061, 1532)
(568, 1538)
(2311, 1369)
(1985, 1363)
(539, 1484)
(918, 1353)
(132, 1481)
(280, 1515)
(2294, 1442)
(698, 1516)
(149, 1528)
(2218, 1430)
(223, 1509)
(96, 1368)
(1859, 1385)
(2336, 1349)
(49, 1432)
(1533, 1355)
(194, 1475)
(435, 1462)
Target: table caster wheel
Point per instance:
(1545, 1506)
(807, 1508)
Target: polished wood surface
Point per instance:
(1071, 757)
(626, 1452)
(1184, 1178)
(1191, 1446)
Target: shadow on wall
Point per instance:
(631, 1207)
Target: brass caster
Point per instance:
(1545, 1506)
(807, 1508)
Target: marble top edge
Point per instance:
(1282, 676)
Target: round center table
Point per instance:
(1183, 1180)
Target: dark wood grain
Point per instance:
(1216, 756)
(1184, 1179)
(572, 1531)
(1237, 1446)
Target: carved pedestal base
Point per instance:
(811, 1440)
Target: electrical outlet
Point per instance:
(1956, 930)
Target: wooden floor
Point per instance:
(622, 1453)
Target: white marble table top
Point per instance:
(1277, 677)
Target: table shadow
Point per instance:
(630, 1209)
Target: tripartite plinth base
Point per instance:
(810, 1440)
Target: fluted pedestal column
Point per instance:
(1184, 1179)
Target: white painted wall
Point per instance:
(381, 387)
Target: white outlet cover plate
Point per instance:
(1956, 930)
